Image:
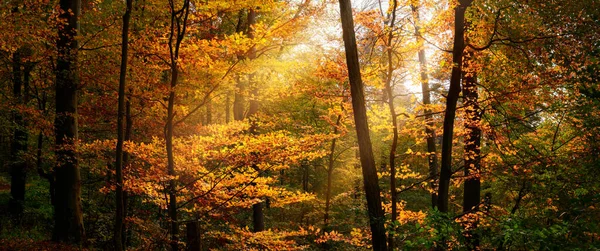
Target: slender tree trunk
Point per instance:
(429, 126)
(126, 233)
(19, 143)
(227, 108)
(258, 217)
(330, 171)
(304, 177)
(40, 144)
(451, 100)
(178, 29)
(371, 184)
(239, 100)
(68, 215)
(240, 87)
(390, 101)
(120, 212)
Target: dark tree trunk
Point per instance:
(178, 28)
(227, 108)
(258, 217)
(68, 215)
(18, 170)
(239, 100)
(126, 232)
(451, 100)
(330, 171)
(49, 175)
(120, 210)
(240, 86)
(429, 126)
(193, 236)
(390, 100)
(369, 171)
(472, 186)
(305, 175)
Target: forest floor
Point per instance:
(32, 230)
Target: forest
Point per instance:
(299, 125)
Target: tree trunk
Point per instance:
(330, 171)
(126, 232)
(40, 144)
(227, 108)
(390, 101)
(258, 217)
(372, 191)
(193, 236)
(472, 186)
(120, 210)
(18, 171)
(240, 87)
(68, 215)
(429, 126)
(239, 100)
(451, 100)
(178, 29)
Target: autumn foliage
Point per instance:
(238, 125)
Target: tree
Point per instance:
(429, 127)
(472, 146)
(68, 214)
(370, 180)
(393, 115)
(179, 21)
(451, 100)
(119, 196)
(18, 166)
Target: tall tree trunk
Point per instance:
(120, 212)
(40, 144)
(18, 171)
(330, 171)
(429, 126)
(371, 184)
(258, 217)
(68, 215)
(178, 29)
(451, 100)
(390, 101)
(472, 186)
(126, 233)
